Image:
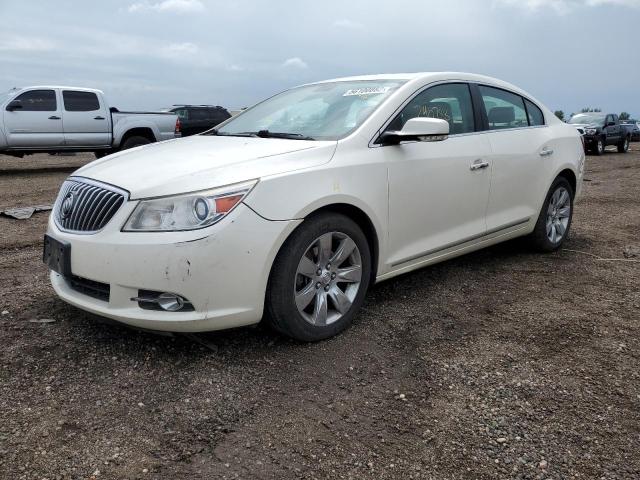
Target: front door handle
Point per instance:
(545, 152)
(53, 117)
(98, 118)
(478, 165)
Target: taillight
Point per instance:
(178, 126)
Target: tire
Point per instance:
(554, 222)
(101, 153)
(623, 147)
(600, 146)
(134, 141)
(294, 300)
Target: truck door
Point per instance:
(612, 127)
(34, 120)
(86, 119)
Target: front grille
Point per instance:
(94, 289)
(86, 206)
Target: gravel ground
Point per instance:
(499, 364)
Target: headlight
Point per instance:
(190, 211)
(591, 131)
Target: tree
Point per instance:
(589, 110)
(624, 116)
(559, 114)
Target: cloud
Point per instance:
(175, 6)
(295, 62)
(17, 43)
(348, 24)
(566, 6)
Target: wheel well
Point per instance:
(571, 178)
(139, 132)
(363, 221)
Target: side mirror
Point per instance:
(14, 105)
(419, 129)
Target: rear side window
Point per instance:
(450, 102)
(536, 118)
(38, 101)
(504, 109)
(199, 114)
(80, 101)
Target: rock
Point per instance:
(501, 440)
(42, 320)
(5, 312)
(543, 465)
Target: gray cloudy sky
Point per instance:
(153, 53)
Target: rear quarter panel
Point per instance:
(162, 125)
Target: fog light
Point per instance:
(169, 302)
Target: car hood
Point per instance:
(202, 162)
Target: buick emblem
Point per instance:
(67, 205)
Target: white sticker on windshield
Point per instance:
(366, 91)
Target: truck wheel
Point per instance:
(134, 141)
(623, 147)
(599, 148)
(101, 153)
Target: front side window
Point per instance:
(504, 109)
(80, 101)
(322, 111)
(38, 101)
(536, 118)
(450, 102)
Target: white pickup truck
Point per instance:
(58, 119)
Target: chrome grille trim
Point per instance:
(93, 205)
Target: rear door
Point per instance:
(87, 122)
(37, 123)
(522, 150)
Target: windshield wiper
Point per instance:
(214, 131)
(261, 134)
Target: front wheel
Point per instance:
(623, 147)
(599, 147)
(319, 279)
(554, 221)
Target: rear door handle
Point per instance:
(53, 117)
(545, 152)
(478, 165)
(98, 118)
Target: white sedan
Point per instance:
(290, 210)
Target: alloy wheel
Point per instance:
(558, 214)
(328, 278)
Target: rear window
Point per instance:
(80, 101)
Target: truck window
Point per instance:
(80, 101)
(38, 101)
(199, 114)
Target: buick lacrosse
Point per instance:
(290, 210)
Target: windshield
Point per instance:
(588, 119)
(324, 111)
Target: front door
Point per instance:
(438, 191)
(36, 120)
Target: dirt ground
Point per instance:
(499, 364)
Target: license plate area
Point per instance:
(57, 255)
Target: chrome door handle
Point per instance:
(53, 117)
(545, 152)
(478, 164)
(98, 118)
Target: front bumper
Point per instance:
(222, 270)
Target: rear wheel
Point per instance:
(554, 221)
(623, 147)
(134, 141)
(319, 279)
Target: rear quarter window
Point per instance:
(536, 118)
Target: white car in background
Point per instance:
(294, 207)
(71, 119)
